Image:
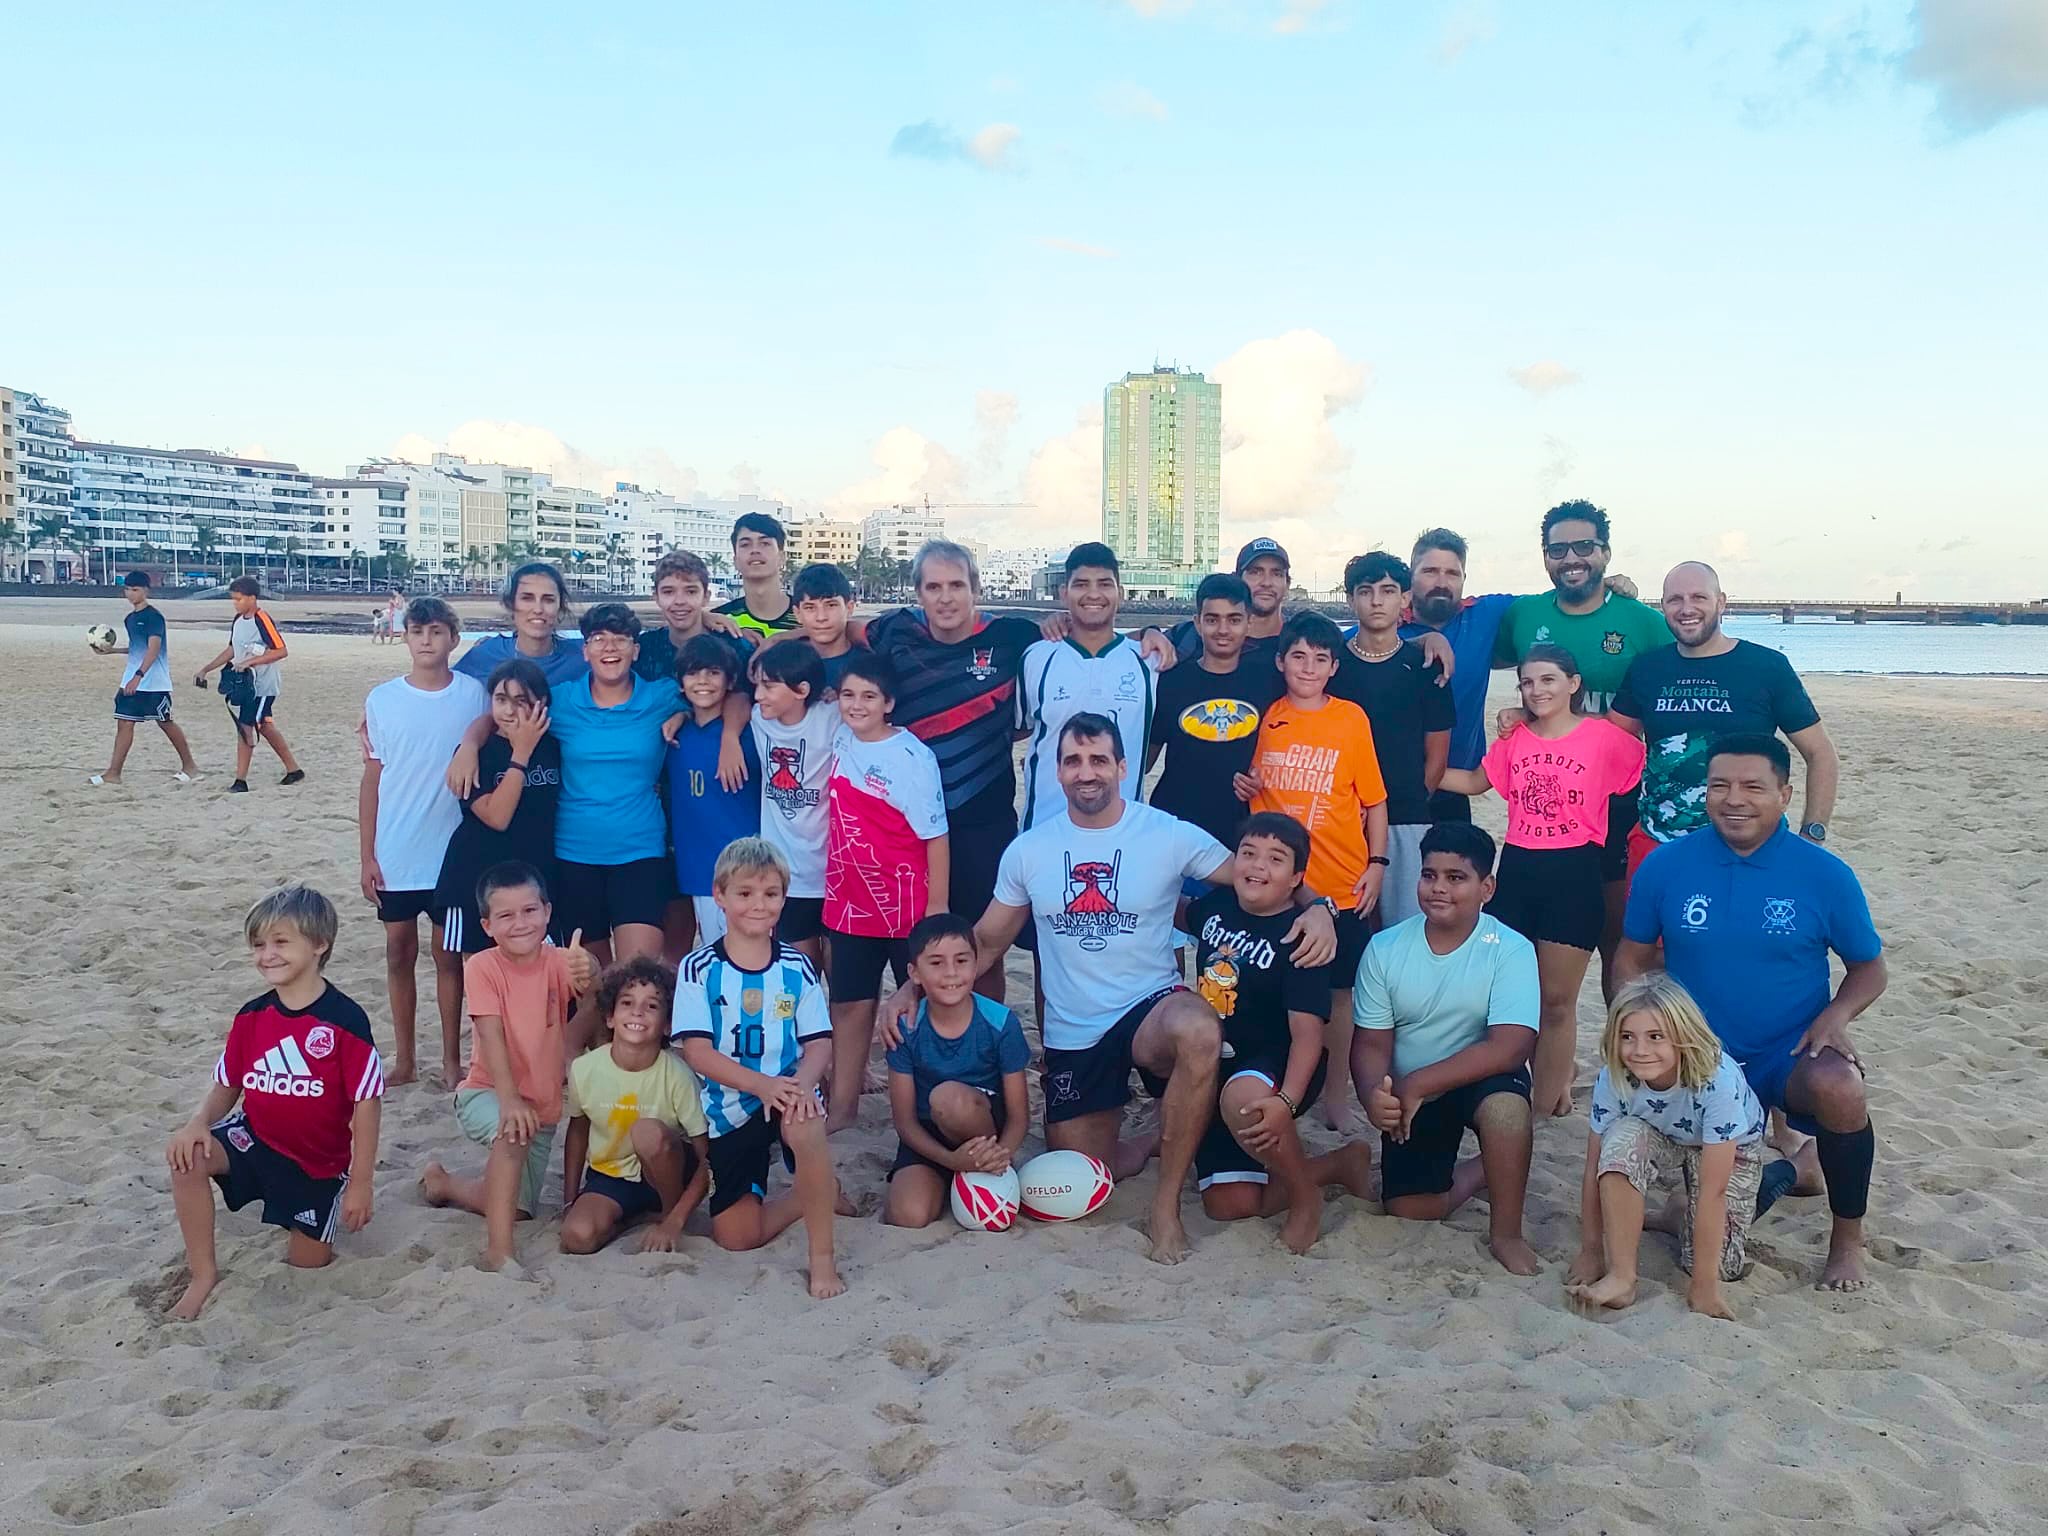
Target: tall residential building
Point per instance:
(41, 482)
(897, 532)
(677, 522)
(569, 526)
(7, 484)
(172, 501)
(1162, 478)
(822, 541)
(362, 518)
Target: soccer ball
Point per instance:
(100, 637)
(985, 1202)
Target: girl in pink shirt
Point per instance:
(1556, 772)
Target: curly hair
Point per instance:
(641, 969)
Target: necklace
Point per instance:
(1364, 655)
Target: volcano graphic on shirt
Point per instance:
(785, 783)
(1091, 913)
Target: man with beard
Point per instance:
(1469, 627)
(1605, 631)
(1685, 697)
(1262, 565)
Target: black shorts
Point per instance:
(144, 704)
(600, 897)
(1085, 1082)
(905, 1158)
(1218, 1157)
(635, 1197)
(407, 907)
(1354, 931)
(803, 917)
(1623, 812)
(975, 841)
(739, 1161)
(1552, 895)
(251, 710)
(292, 1198)
(1424, 1163)
(857, 963)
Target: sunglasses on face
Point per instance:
(1580, 547)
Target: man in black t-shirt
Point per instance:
(1411, 714)
(1207, 713)
(1262, 566)
(1250, 1161)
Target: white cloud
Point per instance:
(516, 442)
(1295, 15)
(1282, 457)
(1542, 377)
(988, 147)
(1986, 59)
(1076, 247)
(1063, 482)
(1129, 99)
(908, 467)
(1733, 548)
(1466, 28)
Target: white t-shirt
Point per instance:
(796, 766)
(1103, 901)
(414, 733)
(1059, 680)
(252, 635)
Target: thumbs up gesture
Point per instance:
(582, 964)
(1386, 1110)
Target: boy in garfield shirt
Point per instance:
(1316, 763)
(310, 1084)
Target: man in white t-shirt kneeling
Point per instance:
(1100, 883)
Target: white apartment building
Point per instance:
(570, 526)
(362, 518)
(125, 498)
(677, 524)
(1014, 572)
(896, 532)
(35, 480)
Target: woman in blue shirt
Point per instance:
(536, 598)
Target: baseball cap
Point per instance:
(1258, 549)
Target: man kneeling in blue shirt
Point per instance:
(1747, 913)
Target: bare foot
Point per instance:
(842, 1205)
(1516, 1256)
(503, 1264)
(825, 1282)
(405, 1072)
(1615, 1291)
(450, 1075)
(1169, 1237)
(187, 1306)
(876, 1081)
(1302, 1227)
(1584, 1269)
(1131, 1156)
(1807, 1160)
(434, 1182)
(1668, 1217)
(1844, 1271)
(1340, 1117)
(1354, 1168)
(1467, 1180)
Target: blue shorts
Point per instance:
(634, 1197)
(1769, 1072)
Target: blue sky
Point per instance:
(1764, 279)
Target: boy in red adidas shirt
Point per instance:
(304, 1142)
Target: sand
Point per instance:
(1046, 1380)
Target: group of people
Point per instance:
(718, 835)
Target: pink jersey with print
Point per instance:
(884, 802)
(301, 1073)
(1557, 791)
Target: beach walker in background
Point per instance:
(145, 691)
(292, 1117)
(251, 668)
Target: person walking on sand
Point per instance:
(145, 691)
(254, 657)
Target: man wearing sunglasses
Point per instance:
(1605, 631)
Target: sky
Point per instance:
(1764, 278)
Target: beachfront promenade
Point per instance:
(1863, 611)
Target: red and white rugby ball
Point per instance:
(1064, 1186)
(985, 1202)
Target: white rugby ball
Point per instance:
(100, 637)
(985, 1202)
(1063, 1186)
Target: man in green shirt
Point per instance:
(1605, 631)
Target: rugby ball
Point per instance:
(100, 636)
(985, 1202)
(1063, 1186)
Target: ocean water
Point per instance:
(1826, 645)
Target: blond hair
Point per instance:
(1699, 1048)
(745, 855)
(302, 908)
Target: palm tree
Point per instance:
(206, 541)
(614, 557)
(291, 547)
(271, 546)
(10, 541)
(51, 534)
(509, 554)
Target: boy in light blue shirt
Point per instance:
(145, 691)
(1445, 1013)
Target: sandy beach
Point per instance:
(1047, 1380)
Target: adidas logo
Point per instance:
(284, 1071)
(307, 1218)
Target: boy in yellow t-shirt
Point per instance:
(634, 1111)
(1316, 762)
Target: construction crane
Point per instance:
(979, 506)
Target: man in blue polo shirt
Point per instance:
(1747, 913)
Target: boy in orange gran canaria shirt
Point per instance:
(1316, 762)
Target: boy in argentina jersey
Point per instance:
(793, 730)
(750, 1021)
(301, 1063)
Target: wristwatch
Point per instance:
(1382, 860)
(1327, 905)
(1815, 832)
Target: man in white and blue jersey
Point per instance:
(1093, 670)
(145, 691)
(750, 1020)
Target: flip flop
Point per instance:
(1777, 1182)
(98, 781)
(182, 777)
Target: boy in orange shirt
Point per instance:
(1315, 762)
(519, 994)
